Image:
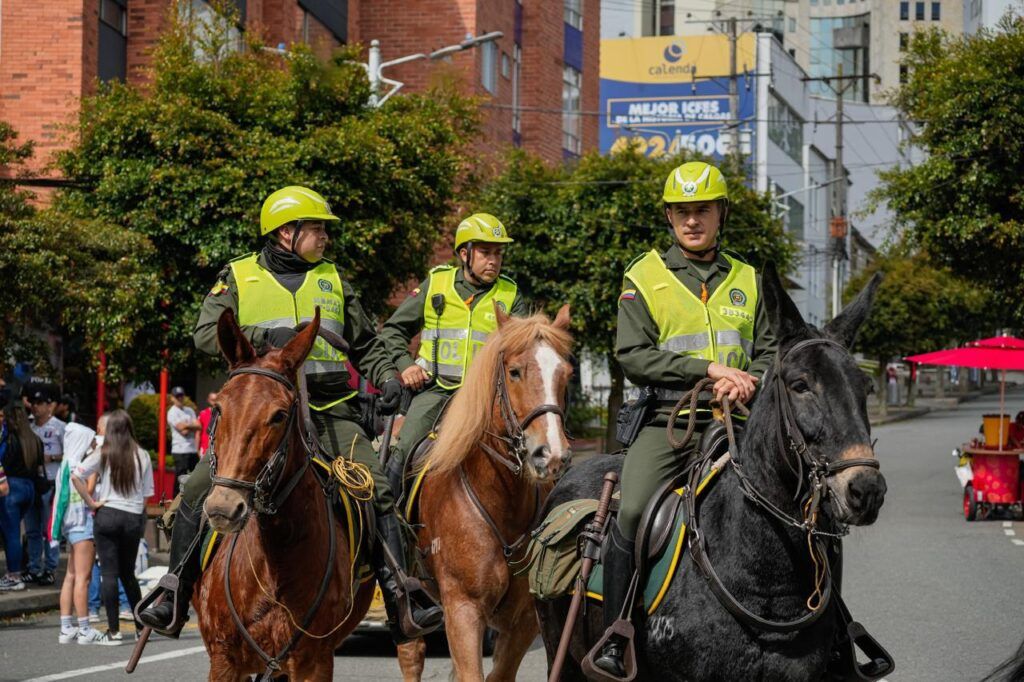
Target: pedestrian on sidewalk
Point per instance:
(72, 519)
(42, 558)
(125, 481)
(21, 454)
(184, 427)
(205, 418)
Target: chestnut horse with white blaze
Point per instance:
(284, 563)
(500, 446)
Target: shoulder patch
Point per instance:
(415, 292)
(627, 295)
(219, 288)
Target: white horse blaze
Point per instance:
(549, 361)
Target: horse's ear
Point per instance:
(500, 314)
(844, 327)
(786, 321)
(233, 345)
(563, 318)
(297, 350)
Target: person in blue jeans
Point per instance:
(21, 455)
(94, 595)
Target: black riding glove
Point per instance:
(390, 397)
(278, 337)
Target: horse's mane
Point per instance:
(470, 413)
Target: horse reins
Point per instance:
(266, 501)
(792, 443)
(515, 440)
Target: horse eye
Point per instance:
(278, 417)
(515, 374)
(799, 386)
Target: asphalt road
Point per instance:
(945, 596)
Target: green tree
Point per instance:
(187, 161)
(67, 275)
(578, 226)
(964, 204)
(918, 308)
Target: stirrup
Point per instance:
(168, 587)
(621, 628)
(880, 662)
(410, 628)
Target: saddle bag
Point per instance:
(552, 557)
(633, 415)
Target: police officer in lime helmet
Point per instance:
(270, 292)
(452, 311)
(685, 314)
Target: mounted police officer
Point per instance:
(685, 314)
(453, 312)
(270, 292)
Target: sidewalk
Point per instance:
(922, 406)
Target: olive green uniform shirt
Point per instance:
(366, 349)
(636, 341)
(407, 321)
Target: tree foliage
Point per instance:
(60, 274)
(919, 307)
(187, 161)
(963, 204)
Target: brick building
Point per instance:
(534, 78)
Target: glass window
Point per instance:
(904, 41)
(936, 16)
(489, 67)
(785, 129)
(571, 120)
(904, 11)
(814, 3)
(667, 18)
(903, 73)
(506, 65)
(573, 13)
(919, 11)
(208, 24)
(794, 218)
(792, 25)
(113, 14)
(517, 116)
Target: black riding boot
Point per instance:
(395, 472)
(407, 619)
(168, 616)
(619, 564)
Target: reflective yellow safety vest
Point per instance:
(460, 331)
(264, 302)
(721, 330)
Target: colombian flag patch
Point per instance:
(627, 295)
(414, 292)
(219, 288)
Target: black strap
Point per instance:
(507, 548)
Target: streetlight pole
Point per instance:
(374, 66)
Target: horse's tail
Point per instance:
(1010, 670)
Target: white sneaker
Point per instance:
(127, 615)
(90, 636)
(67, 637)
(107, 639)
(8, 584)
(94, 616)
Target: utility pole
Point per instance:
(838, 224)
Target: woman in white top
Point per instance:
(126, 480)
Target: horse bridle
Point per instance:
(792, 442)
(266, 493)
(515, 428)
(515, 440)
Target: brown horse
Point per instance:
(500, 445)
(278, 546)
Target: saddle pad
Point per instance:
(663, 568)
(212, 540)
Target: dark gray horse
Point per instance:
(764, 563)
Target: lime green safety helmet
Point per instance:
(695, 181)
(290, 204)
(481, 227)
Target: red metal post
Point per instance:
(162, 431)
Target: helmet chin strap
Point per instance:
(295, 235)
(468, 265)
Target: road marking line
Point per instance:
(1009, 532)
(1007, 524)
(1017, 542)
(112, 666)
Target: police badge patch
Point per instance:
(325, 286)
(737, 297)
(500, 305)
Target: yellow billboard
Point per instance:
(673, 59)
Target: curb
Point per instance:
(902, 416)
(31, 600)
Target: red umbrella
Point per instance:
(999, 352)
